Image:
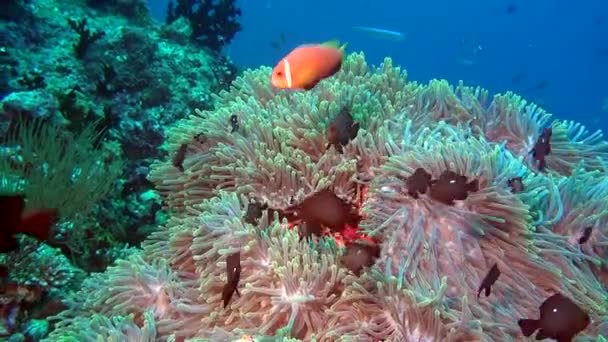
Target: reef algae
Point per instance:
(236, 190)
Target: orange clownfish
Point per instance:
(307, 65)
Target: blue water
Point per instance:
(552, 52)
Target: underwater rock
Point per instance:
(33, 104)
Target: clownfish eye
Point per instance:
(279, 73)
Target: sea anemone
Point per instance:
(101, 328)
(444, 240)
(285, 281)
(511, 119)
(288, 284)
(275, 155)
(135, 287)
(367, 208)
(575, 237)
(378, 307)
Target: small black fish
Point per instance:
(418, 182)
(542, 148)
(586, 235)
(452, 186)
(254, 212)
(560, 319)
(180, 155)
(516, 184)
(200, 138)
(342, 130)
(359, 255)
(234, 122)
(325, 208)
(233, 271)
(489, 280)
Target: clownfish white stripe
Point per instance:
(287, 72)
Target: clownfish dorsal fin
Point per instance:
(335, 44)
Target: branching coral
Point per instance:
(438, 179)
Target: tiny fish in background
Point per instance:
(307, 65)
(180, 155)
(560, 319)
(586, 235)
(489, 280)
(14, 219)
(511, 9)
(597, 21)
(279, 42)
(233, 270)
(518, 78)
(540, 85)
(381, 33)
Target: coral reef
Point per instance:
(41, 279)
(115, 64)
(433, 183)
(86, 91)
(134, 74)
